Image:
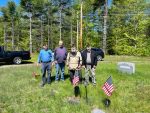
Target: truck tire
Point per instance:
(99, 58)
(17, 60)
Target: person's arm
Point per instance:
(39, 57)
(50, 55)
(83, 59)
(80, 59)
(55, 55)
(52, 58)
(95, 59)
(65, 54)
(67, 62)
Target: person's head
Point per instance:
(60, 43)
(73, 49)
(45, 47)
(88, 47)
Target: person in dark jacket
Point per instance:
(89, 62)
(60, 56)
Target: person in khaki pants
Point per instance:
(74, 62)
(89, 63)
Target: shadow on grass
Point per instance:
(10, 63)
(66, 76)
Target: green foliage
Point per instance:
(11, 7)
(23, 3)
(4, 11)
(127, 26)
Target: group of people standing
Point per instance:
(74, 60)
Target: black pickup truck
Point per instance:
(14, 56)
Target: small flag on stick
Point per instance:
(75, 80)
(108, 86)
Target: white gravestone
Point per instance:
(97, 111)
(126, 67)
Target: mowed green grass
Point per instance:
(20, 92)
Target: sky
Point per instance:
(109, 3)
(4, 2)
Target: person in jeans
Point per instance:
(60, 56)
(89, 63)
(74, 62)
(45, 58)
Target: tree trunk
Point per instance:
(41, 32)
(48, 29)
(60, 25)
(51, 36)
(31, 35)
(77, 33)
(18, 39)
(5, 35)
(71, 34)
(12, 31)
(105, 27)
(81, 15)
(48, 34)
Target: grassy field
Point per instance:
(20, 92)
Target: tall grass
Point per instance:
(20, 92)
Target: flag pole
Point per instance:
(108, 89)
(86, 96)
(107, 102)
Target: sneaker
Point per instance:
(86, 83)
(48, 82)
(94, 84)
(56, 81)
(42, 85)
(62, 80)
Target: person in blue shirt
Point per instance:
(45, 58)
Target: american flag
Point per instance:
(75, 80)
(108, 86)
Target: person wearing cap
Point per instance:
(74, 62)
(45, 58)
(60, 55)
(89, 62)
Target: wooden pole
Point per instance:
(30, 34)
(41, 31)
(60, 24)
(105, 27)
(71, 33)
(4, 35)
(77, 33)
(48, 29)
(81, 15)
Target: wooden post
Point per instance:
(105, 27)
(77, 33)
(30, 34)
(81, 15)
(48, 30)
(71, 33)
(4, 35)
(41, 31)
(60, 24)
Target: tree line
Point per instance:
(121, 28)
